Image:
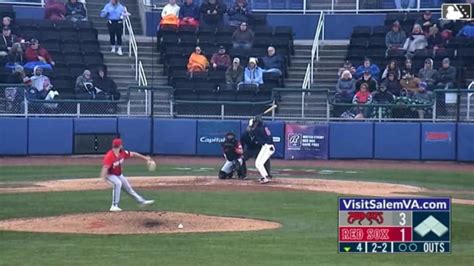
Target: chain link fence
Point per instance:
(293, 104)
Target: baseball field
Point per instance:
(54, 211)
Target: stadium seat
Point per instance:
(225, 30)
(358, 42)
(83, 25)
(88, 34)
(67, 34)
(186, 30)
(379, 31)
(361, 31)
(188, 40)
(90, 46)
(70, 46)
(263, 31)
(377, 42)
(52, 45)
(65, 25)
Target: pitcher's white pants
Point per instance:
(265, 153)
(119, 182)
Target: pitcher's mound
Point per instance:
(135, 223)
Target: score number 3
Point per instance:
(403, 221)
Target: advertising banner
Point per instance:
(211, 134)
(306, 141)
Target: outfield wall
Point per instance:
(338, 140)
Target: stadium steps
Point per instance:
(122, 70)
(331, 59)
(95, 6)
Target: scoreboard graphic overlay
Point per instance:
(394, 225)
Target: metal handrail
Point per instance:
(316, 44)
(469, 95)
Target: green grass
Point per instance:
(308, 235)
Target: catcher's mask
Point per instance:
(230, 137)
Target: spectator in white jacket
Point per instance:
(170, 9)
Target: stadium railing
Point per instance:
(316, 6)
(294, 104)
(24, 2)
(138, 101)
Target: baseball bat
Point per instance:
(269, 109)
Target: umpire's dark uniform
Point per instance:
(251, 150)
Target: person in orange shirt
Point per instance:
(197, 61)
(112, 173)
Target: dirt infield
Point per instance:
(203, 183)
(205, 161)
(126, 223)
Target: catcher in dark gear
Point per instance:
(233, 154)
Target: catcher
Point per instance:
(233, 155)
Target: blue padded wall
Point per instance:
(174, 137)
(210, 135)
(349, 140)
(278, 132)
(50, 136)
(95, 125)
(400, 141)
(13, 136)
(465, 142)
(135, 133)
(438, 141)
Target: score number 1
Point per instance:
(403, 221)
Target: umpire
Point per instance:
(251, 150)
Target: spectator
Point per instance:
(243, 37)
(220, 60)
(392, 67)
(428, 74)
(272, 62)
(6, 22)
(434, 38)
(396, 37)
(189, 14)
(197, 61)
(114, 12)
(84, 88)
(212, 12)
(54, 10)
(43, 89)
(14, 95)
(15, 56)
(446, 75)
(426, 21)
(373, 69)
(408, 3)
(368, 80)
(409, 84)
(234, 74)
(383, 95)
(103, 84)
(423, 96)
(408, 68)
(392, 84)
(345, 87)
(17, 76)
(40, 81)
(347, 66)
(416, 40)
(170, 14)
(37, 56)
(6, 41)
(75, 11)
(362, 97)
(239, 13)
(253, 74)
(467, 31)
